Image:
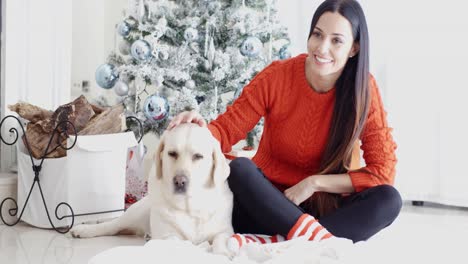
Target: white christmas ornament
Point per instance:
(162, 22)
(121, 88)
(191, 34)
(190, 84)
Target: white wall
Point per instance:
(94, 37)
(37, 56)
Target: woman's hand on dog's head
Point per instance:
(187, 117)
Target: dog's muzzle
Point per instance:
(180, 183)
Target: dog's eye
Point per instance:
(173, 154)
(197, 157)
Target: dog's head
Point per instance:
(188, 159)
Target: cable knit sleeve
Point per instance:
(241, 117)
(377, 145)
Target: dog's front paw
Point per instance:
(83, 231)
(222, 248)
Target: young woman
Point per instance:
(316, 107)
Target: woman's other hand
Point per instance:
(301, 191)
(187, 117)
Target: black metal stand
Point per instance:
(60, 130)
(418, 203)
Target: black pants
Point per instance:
(260, 208)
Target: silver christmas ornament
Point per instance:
(156, 108)
(141, 50)
(124, 47)
(121, 88)
(190, 34)
(106, 76)
(251, 47)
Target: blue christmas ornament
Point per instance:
(156, 108)
(251, 47)
(284, 53)
(123, 29)
(141, 50)
(106, 76)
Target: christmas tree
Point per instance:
(183, 55)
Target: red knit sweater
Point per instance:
(297, 121)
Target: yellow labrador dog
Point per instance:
(188, 195)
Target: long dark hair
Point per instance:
(352, 101)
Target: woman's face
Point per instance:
(330, 45)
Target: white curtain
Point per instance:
(37, 43)
(418, 55)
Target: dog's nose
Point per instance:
(180, 183)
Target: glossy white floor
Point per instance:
(428, 234)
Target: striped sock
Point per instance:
(238, 240)
(309, 227)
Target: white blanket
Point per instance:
(412, 247)
(174, 251)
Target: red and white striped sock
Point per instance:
(309, 227)
(238, 240)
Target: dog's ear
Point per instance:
(158, 157)
(221, 168)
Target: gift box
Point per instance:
(91, 179)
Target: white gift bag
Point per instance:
(91, 179)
